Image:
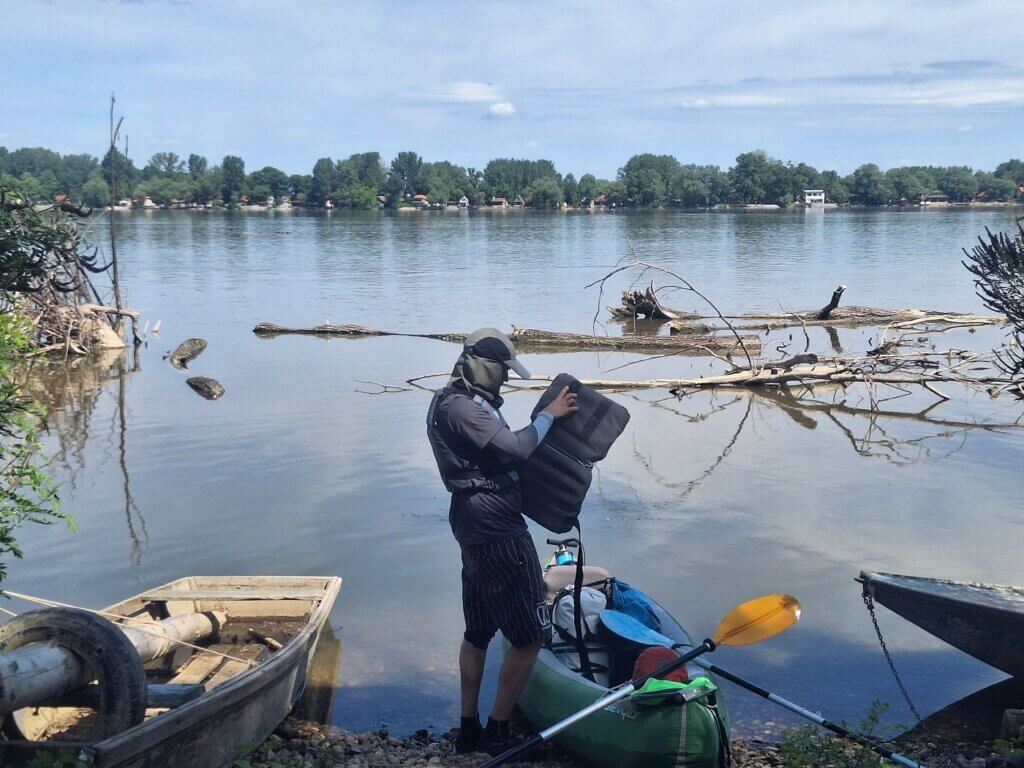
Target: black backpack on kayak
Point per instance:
(555, 479)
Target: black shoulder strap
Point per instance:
(577, 613)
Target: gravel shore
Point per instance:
(298, 744)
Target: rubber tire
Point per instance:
(102, 647)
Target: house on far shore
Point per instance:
(814, 197)
(463, 202)
(124, 202)
(601, 201)
(499, 202)
(420, 201)
(271, 201)
(935, 198)
(519, 202)
(148, 203)
(382, 200)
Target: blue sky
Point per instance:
(586, 84)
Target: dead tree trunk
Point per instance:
(824, 312)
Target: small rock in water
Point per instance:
(187, 351)
(206, 387)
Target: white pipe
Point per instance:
(156, 639)
(38, 672)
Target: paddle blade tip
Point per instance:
(758, 619)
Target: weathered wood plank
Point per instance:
(241, 593)
(231, 667)
(198, 668)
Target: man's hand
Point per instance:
(563, 405)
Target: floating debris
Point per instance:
(186, 352)
(206, 387)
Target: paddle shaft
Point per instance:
(807, 714)
(616, 695)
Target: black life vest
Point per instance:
(463, 469)
(555, 479)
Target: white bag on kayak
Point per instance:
(592, 602)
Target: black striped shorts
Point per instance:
(503, 588)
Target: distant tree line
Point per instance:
(365, 181)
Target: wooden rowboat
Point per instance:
(983, 620)
(204, 710)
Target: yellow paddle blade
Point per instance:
(757, 620)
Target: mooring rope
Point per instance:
(108, 615)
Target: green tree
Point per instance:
(323, 182)
(268, 181)
(95, 192)
(959, 184)
(834, 187)
(233, 183)
(510, 177)
(751, 176)
(996, 187)
(544, 193)
(588, 188)
(166, 164)
(570, 190)
(647, 178)
(300, 184)
(907, 184)
(404, 176)
(870, 186)
(1013, 170)
(33, 160)
(197, 166)
(74, 171)
(116, 165)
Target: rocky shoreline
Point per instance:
(299, 744)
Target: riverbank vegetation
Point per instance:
(27, 493)
(365, 180)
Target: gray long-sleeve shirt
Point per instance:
(480, 433)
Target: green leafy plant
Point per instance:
(810, 747)
(27, 493)
(1008, 746)
(62, 759)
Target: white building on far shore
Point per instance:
(814, 197)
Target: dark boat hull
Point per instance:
(983, 620)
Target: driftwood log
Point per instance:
(645, 304)
(533, 340)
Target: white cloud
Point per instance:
(470, 93)
(533, 143)
(502, 109)
(965, 128)
(697, 104)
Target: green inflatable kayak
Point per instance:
(685, 728)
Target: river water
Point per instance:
(703, 503)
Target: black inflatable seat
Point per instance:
(556, 478)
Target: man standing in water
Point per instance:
(502, 584)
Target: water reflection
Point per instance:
(317, 701)
(72, 394)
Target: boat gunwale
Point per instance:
(897, 580)
(1009, 609)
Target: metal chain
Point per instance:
(869, 603)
